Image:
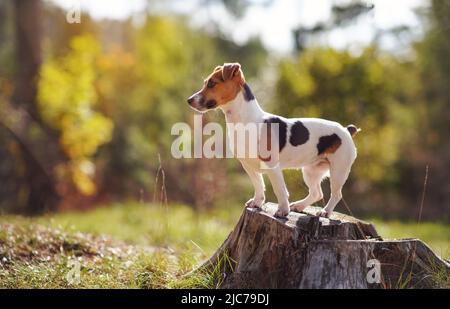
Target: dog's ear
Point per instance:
(229, 70)
(218, 68)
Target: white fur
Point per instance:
(315, 167)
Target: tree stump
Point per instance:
(305, 251)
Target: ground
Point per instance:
(137, 246)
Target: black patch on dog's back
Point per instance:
(282, 130)
(328, 144)
(248, 94)
(299, 134)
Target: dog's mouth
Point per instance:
(210, 104)
(198, 103)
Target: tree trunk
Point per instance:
(305, 251)
(39, 145)
(28, 51)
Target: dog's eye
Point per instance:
(211, 84)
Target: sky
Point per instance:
(273, 23)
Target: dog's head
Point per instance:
(221, 87)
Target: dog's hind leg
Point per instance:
(312, 175)
(339, 171)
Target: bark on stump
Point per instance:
(305, 251)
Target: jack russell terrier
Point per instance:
(321, 148)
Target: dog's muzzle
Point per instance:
(198, 102)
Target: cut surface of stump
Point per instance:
(307, 251)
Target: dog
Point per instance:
(321, 148)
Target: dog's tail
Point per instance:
(353, 130)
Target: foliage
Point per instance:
(434, 72)
(111, 90)
(67, 99)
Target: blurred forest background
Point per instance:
(86, 109)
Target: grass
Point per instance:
(137, 246)
(435, 235)
(132, 246)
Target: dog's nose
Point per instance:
(190, 100)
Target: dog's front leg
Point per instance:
(258, 183)
(280, 190)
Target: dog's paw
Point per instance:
(297, 207)
(282, 212)
(323, 213)
(255, 203)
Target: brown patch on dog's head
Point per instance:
(219, 88)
